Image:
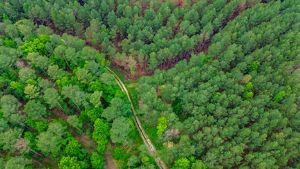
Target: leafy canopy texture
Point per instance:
(236, 106)
(221, 88)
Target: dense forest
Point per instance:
(215, 84)
(59, 105)
(236, 106)
(138, 36)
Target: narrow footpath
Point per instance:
(151, 148)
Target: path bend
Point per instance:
(150, 146)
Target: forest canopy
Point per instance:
(145, 84)
(236, 106)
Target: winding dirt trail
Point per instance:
(151, 148)
(109, 161)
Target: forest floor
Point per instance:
(50, 162)
(109, 161)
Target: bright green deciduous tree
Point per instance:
(67, 162)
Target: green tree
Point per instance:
(9, 138)
(93, 114)
(36, 45)
(133, 161)
(92, 31)
(69, 163)
(119, 132)
(31, 91)
(182, 163)
(198, 165)
(52, 98)
(73, 42)
(117, 108)
(45, 84)
(279, 96)
(111, 18)
(2, 163)
(75, 122)
(95, 98)
(8, 57)
(26, 74)
(51, 141)
(93, 67)
(35, 110)
(100, 134)
(54, 72)
(38, 61)
(17, 162)
(192, 16)
(74, 149)
(3, 124)
(101, 130)
(9, 105)
(97, 161)
(83, 75)
(18, 87)
(101, 145)
(10, 109)
(119, 153)
(162, 125)
(74, 93)
(107, 78)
